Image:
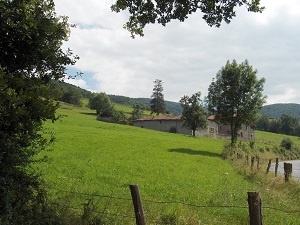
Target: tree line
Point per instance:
(286, 124)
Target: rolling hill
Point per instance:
(276, 110)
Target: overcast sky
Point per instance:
(184, 55)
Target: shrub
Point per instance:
(287, 143)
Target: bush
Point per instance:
(287, 143)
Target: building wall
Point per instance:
(214, 129)
(174, 126)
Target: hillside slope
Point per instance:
(276, 110)
(95, 162)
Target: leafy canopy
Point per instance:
(30, 57)
(235, 96)
(143, 12)
(194, 115)
(102, 104)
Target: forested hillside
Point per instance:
(277, 110)
(172, 107)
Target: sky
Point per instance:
(186, 56)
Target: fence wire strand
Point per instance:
(169, 202)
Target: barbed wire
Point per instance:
(169, 202)
(93, 195)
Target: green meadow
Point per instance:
(182, 180)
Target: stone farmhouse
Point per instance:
(174, 124)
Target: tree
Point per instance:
(30, 57)
(72, 96)
(235, 96)
(157, 102)
(288, 124)
(101, 103)
(275, 126)
(143, 12)
(194, 115)
(286, 143)
(137, 111)
(263, 123)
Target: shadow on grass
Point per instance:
(89, 114)
(195, 152)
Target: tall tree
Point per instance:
(194, 115)
(157, 102)
(235, 96)
(30, 57)
(143, 12)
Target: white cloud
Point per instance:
(186, 56)
(77, 82)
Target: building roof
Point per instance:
(163, 117)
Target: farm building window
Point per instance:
(212, 130)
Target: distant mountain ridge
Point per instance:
(277, 110)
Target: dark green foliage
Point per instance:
(235, 96)
(288, 124)
(157, 102)
(144, 12)
(275, 126)
(263, 123)
(72, 96)
(30, 57)
(286, 143)
(285, 125)
(101, 103)
(194, 115)
(62, 90)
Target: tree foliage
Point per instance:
(137, 112)
(263, 123)
(30, 57)
(143, 12)
(235, 96)
(286, 124)
(157, 102)
(102, 104)
(194, 115)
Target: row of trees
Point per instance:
(286, 124)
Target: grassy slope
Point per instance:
(96, 157)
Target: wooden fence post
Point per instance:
(137, 203)
(288, 169)
(276, 167)
(269, 165)
(254, 203)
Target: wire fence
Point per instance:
(130, 215)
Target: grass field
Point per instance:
(182, 180)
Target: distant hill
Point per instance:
(173, 107)
(276, 110)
